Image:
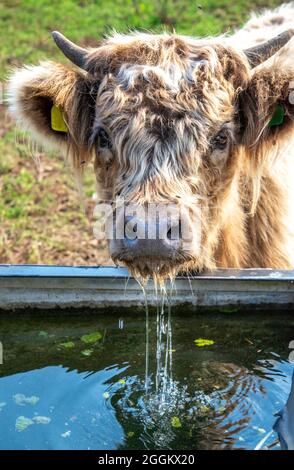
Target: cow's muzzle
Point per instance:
(152, 240)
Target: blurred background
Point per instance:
(42, 219)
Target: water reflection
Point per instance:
(284, 425)
(77, 414)
(222, 396)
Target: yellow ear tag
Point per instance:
(57, 120)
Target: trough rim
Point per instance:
(68, 271)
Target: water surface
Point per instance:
(83, 382)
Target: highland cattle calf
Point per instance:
(202, 124)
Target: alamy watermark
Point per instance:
(151, 221)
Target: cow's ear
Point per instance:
(266, 107)
(52, 103)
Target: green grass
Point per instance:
(41, 218)
(26, 24)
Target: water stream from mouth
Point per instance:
(163, 382)
(147, 344)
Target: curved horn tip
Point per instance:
(74, 53)
(54, 34)
(57, 37)
(260, 53)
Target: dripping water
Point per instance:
(163, 379)
(146, 342)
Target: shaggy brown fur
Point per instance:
(163, 100)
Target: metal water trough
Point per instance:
(100, 288)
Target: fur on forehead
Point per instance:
(171, 56)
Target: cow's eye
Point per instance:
(220, 141)
(103, 139)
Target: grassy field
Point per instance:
(41, 216)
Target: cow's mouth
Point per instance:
(156, 268)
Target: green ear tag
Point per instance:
(57, 120)
(278, 116)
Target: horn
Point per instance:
(258, 54)
(74, 53)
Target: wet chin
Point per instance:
(143, 269)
